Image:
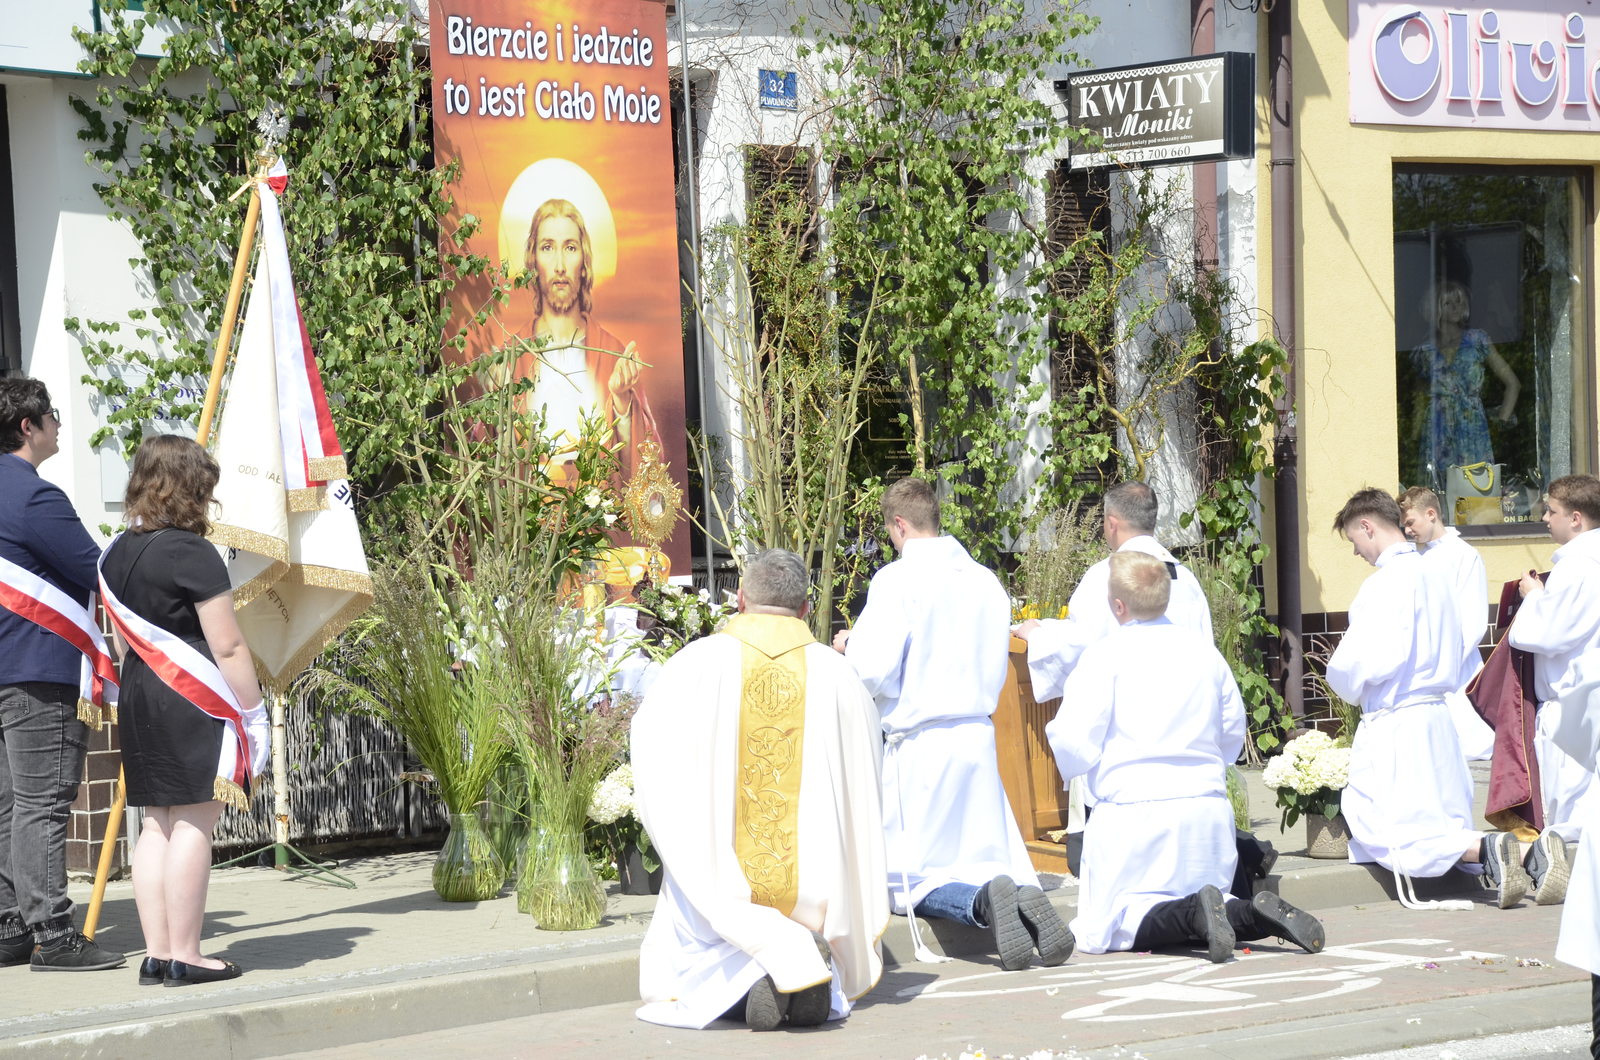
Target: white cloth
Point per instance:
(1470, 591)
(931, 646)
(1152, 717)
(1054, 648)
(708, 941)
(1409, 800)
(1137, 855)
(1578, 736)
(1571, 793)
(1558, 625)
(1562, 622)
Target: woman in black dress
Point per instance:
(164, 571)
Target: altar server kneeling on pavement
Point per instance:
(931, 646)
(755, 766)
(1409, 800)
(1152, 718)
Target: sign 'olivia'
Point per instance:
(1529, 67)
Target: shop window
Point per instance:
(10, 328)
(1492, 341)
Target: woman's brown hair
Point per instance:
(171, 485)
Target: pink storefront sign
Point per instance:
(1532, 66)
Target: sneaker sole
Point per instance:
(1514, 879)
(1291, 924)
(1011, 939)
(1051, 936)
(1214, 925)
(810, 1007)
(1552, 889)
(764, 1007)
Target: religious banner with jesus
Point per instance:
(558, 113)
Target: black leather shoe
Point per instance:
(16, 949)
(180, 974)
(152, 970)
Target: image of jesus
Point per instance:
(579, 366)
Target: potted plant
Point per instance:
(1308, 775)
(401, 662)
(613, 810)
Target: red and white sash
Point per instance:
(195, 678)
(26, 594)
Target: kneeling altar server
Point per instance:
(931, 646)
(1151, 716)
(755, 767)
(1409, 799)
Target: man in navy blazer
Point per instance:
(42, 741)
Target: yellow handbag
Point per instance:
(1472, 492)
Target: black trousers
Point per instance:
(1594, 1016)
(1174, 924)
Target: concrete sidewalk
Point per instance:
(326, 966)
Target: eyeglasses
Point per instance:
(55, 414)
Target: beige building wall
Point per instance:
(1346, 392)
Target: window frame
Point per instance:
(1586, 430)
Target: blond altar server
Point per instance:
(1409, 800)
(931, 646)
(755, 765)
(1559, 620)
(1469, 589)
(1154, 743)
(1128, 524)
(1578, 736)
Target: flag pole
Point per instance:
(219, 368)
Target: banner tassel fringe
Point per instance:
(95, 716)
(230, 794)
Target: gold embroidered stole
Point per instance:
(766, 808)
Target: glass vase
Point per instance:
(563, 892)
(468, 868)
(535, 844)
(505, 815)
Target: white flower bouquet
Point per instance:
(612, 807)
(1309, 775)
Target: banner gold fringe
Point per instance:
(326, 468)
(230, 794)
(95, 716)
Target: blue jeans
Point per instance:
(953, 901)
(42, 745)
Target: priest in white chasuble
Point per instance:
(932, 647)
(1152, 718)
(1409, 798)
(756, 773)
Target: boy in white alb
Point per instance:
(1409, 799)
(1154, 742)
(1441, 544)
(1559, 620)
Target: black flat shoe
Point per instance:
(180, 974)
(152, 970)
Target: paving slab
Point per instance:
(390, 954)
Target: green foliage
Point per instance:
(1065, 545)
(789, 478)
(397, 662)
(173, 138)
(933, 121)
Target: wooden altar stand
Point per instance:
(1027, 768)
